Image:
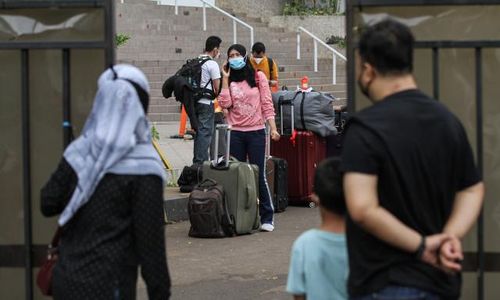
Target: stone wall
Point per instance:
(254, 8)
(321, 26)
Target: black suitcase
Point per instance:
(277, 179)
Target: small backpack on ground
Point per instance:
(191, 71)
(190, 176)
(208, 212)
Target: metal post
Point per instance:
(479, 140)
(315, 56)
(26, 138)
(334, 67)
(66, 98)
(109, 22)
(298, 44)
(251, 38)
(176, 8)
(435, 73)
(204, 17)
(234, 32)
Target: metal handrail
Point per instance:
(316, 40)
(235, 20)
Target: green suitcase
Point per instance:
(240, 181)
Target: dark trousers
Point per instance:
(252, 144)
(399, 292)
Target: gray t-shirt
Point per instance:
(209, 70)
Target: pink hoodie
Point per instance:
(249, 108)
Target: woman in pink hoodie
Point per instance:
(247, 97)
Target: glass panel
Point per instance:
(469, 286)
(12, 283)
(491, 135)
(46, 131)
(422, 69)
(491, 286)
(458, 92)
(52, 25)
(441, 22)
(84, 77)
(11, 166)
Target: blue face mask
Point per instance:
(237, 63)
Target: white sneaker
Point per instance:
(267, 227)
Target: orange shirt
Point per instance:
(264, 67)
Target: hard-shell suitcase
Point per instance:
(303, 151)
(240, 181)
(277, 179)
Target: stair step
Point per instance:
(158, 35)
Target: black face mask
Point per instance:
(141, 93)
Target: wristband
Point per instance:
(421, 248)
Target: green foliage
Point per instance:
(121, 39)
(310, 8)
(154, 133)
(336, 40)
(172, 179)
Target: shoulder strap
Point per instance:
(270, 62)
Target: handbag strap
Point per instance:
(55, 239)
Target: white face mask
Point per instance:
(217, 55)
(258, 59)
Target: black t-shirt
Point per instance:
(422, 157)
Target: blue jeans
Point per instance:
(203, 137)
(252, 144)
(396, 292)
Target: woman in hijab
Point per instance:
(247, 97)
(108, 190)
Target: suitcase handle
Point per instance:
(214, 163)
(289, 102)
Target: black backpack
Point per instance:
(191, 71)
(208, 211)
(190, 176)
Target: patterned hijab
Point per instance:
(116, 137)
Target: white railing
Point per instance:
(235, 20)
(315, 56)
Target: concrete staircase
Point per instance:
(162, 41)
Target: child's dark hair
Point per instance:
(328, 186)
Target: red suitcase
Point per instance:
(303, 156)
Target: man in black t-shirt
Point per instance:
(411, 185)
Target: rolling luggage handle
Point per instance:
(281, 103)
(214, 163)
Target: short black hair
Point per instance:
(259, 48)
(388, 47)
(212, 43)
(328, 186)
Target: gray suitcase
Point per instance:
(240, 181)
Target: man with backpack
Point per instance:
(204, 103)
(265, 64)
